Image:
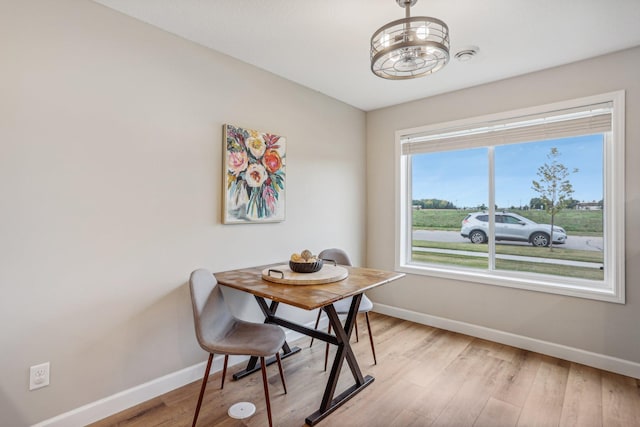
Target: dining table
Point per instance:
(267, 282)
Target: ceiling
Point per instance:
(324, 44)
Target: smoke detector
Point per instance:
(467, 53)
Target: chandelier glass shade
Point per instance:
(410, 47)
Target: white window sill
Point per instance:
(580, 288)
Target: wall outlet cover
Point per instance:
(39, 376)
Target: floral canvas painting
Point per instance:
(254, 176)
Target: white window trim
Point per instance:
(613, 289)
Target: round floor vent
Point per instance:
(242, 410)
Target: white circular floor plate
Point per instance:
(242, 410)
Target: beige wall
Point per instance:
(110, 189)
(600, 327)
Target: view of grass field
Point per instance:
(528, 251)
(581, 222)
(576, 222)
(510, 265)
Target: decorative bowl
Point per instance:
(305, 267)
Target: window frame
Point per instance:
(613, 285)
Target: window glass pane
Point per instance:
(446, 187)
(557, 182)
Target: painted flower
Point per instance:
(235, 139)
(272, 160)
(256, 146)
(256, 175)
(237, 161)
(271, 140)
(269, 196)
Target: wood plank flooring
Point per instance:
(424, 377)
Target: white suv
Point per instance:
(510, 226)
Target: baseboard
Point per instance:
(596, 360)
(115, 403)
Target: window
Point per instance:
(531, 199)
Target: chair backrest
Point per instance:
(211, 316)
(338, 255)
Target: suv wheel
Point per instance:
(540, 239)
(477, 237)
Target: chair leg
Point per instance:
(373, 349)
(316, 327)
(224, 370)
(204, 386)
(326, 350)
(263, 365)
(284, 385)
(356, 324)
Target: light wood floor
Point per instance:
(424, 377)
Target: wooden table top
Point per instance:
(307, 297)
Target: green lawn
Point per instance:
(584, 223)
(509, 265)
(530, 251)
(470, 261)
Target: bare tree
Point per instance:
(554, 187)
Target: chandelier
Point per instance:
(410, 47)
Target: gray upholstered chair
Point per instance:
(342, 306)
(218, 331)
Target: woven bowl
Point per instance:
(305, 267)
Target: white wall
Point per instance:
(604, 328)
(110, 195)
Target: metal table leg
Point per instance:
(344, 351)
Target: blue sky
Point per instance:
(462, 176)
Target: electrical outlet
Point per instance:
(39, 376)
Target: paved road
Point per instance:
(585, 243)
